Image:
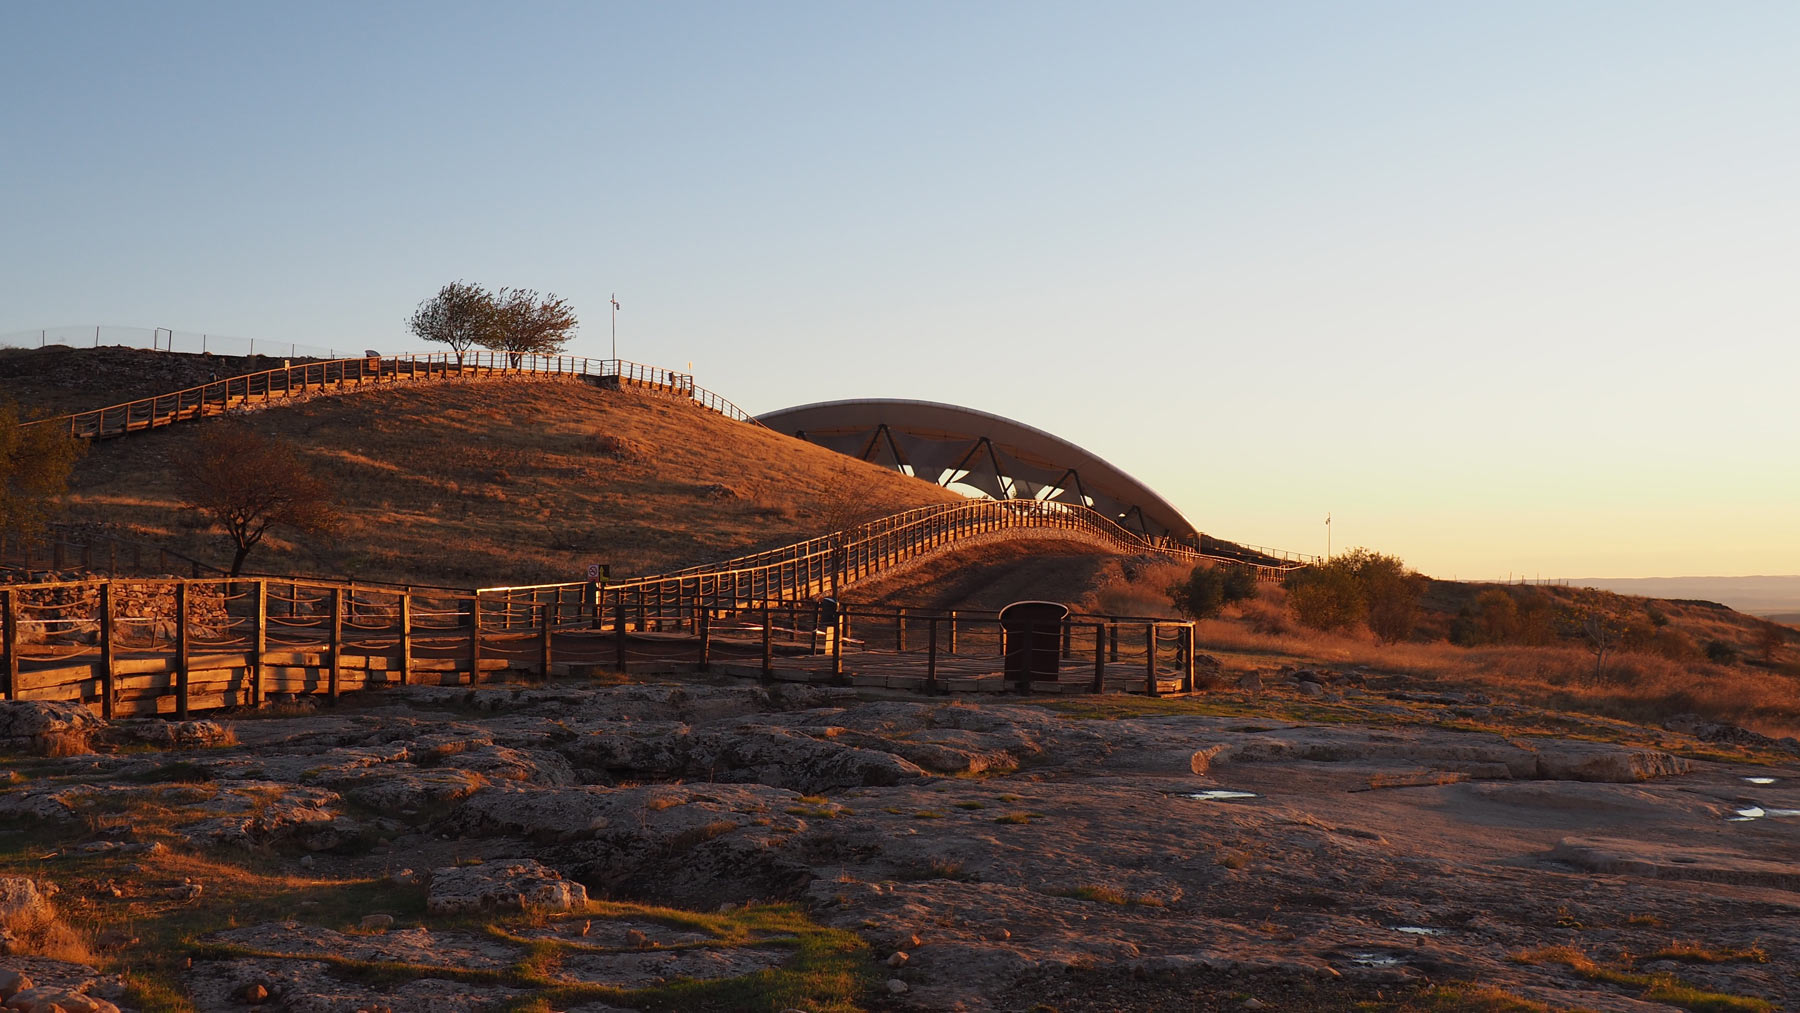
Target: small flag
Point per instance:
(1327, 520)
(615, 302)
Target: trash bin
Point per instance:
(825, 630)
(1031, 637)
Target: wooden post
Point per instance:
(768, 645)
(1068, 634)
(619, 628)
(900, 630)
(931, 679)
(842, 628)
(1112, 638)
(10, 606)
(703, 624)
(1099, 657)
(337, 643)
(1150, 685)
(1187, 656)
(259, 643)
(181, 650)
(406, 636)
(952, 631)
(107, 668)
(475, 640)
(547, 620)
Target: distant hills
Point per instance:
(1776, 597)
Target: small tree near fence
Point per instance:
(249, 484)
(461, 315)
(1208, 589)
(34, 470)
(525, 323)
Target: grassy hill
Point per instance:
(58, 379)
(518, 480)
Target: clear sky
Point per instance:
(1503, 287)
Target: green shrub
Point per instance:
(1358, 586)
(1208, 589)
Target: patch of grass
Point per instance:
(1473, 999)
(1102, 894)
(1014, 819)
(1654, 987)
(928, 814)
(1695, 953)
(971, 805)
(828, 971)
(1233, 858)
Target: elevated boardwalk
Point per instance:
(171, 646)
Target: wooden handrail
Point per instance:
(218, 396)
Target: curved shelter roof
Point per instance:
(1000, 457)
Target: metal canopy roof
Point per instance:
(1003, 458)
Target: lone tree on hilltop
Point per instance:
(526, 324)
(34, 470)
(461, 315)
(248, 483)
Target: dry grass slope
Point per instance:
(508, 481)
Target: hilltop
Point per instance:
(515, 480)
(58, 379)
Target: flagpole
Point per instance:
(1327, 538)
(615, 326)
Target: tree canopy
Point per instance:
(1357, 586)
(524, 323)
(461, 315)
(1208, 589)
(248, 484)
(34, 469)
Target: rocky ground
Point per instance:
(1348, 844)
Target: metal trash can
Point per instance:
(1031, 638)
(826, 628)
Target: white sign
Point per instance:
(593, 571)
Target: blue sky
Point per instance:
(1504, 288)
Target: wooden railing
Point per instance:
(825, 566)
(220, 396)
(174, 646)
(169, 646)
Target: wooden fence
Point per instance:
(175, 646)
(170, 646)
(220, 396)
(823, 566)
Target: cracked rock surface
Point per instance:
(1016, 855)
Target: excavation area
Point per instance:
(574, 845)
